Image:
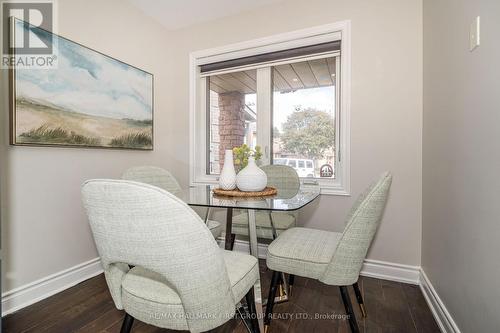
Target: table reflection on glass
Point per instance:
(285, 200)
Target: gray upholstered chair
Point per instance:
(330, 257)
(163, 179)
(286, 180)
(180, 279)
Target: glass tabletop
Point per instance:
(284, 200)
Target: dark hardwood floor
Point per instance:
(391, 307)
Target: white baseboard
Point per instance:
(243, 246)
(33, 292)
(443, 317)
(372, 268)
(391, 271)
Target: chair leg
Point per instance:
(233, 238)
(127, 323)
(207, 215)
(281, 286)
(348, 309)
(270, 300)
(252, 311)
(291, 280)
(359, 297)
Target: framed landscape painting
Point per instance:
(88, 100)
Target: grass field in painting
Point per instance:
(45, 124)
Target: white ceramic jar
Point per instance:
(227, 178)
(251, 178)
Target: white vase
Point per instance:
(251, 178)
(227, 178)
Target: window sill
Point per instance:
(334, 191)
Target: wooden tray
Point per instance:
(237, 193)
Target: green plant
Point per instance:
(133, 140)
(243, 152)
(58, 135)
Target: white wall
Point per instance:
(386, 103)
(461, 161)
(44, 229)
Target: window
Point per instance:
(287, 99)
(303, 112)
(304, 108)
(232, 115)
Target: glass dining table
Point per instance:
(287, 199)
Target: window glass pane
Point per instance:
(280, 161)
(232, 115)
(304, 116)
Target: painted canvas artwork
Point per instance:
(89, 100)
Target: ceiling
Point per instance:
(287, 77)
(176, 14)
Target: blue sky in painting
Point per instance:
(87, 82)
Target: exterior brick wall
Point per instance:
(231, 122)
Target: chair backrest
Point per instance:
(284, 178)
(142, 225)
(358, 234)
(361, 197)
(153, 176)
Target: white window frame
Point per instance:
(299, 38)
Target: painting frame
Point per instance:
(13, 101)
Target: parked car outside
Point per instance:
(304, 167)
